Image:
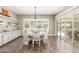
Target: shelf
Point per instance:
(8, 21)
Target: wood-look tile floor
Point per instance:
(56, 45)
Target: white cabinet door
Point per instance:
(13, 35)
(0, 39)
(9, 36)
(5, 37)
(19, 32)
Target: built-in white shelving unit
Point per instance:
(8, 29)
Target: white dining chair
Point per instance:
(45, 37)
(36, 38)
(26, 34)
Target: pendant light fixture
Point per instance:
(35, 12)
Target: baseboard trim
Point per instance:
(51, 34)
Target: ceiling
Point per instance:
(41, 10)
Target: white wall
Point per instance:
(51, 21)
(13, 15)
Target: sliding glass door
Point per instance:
(61, 28)
(68, 26)
(68, 29)
(65, 28)
(76, 27)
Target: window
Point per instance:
(38, 23)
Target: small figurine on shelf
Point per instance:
(5, 11)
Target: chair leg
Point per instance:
(27, 43)
(47, 43)
(32, 43)
(39, 43)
